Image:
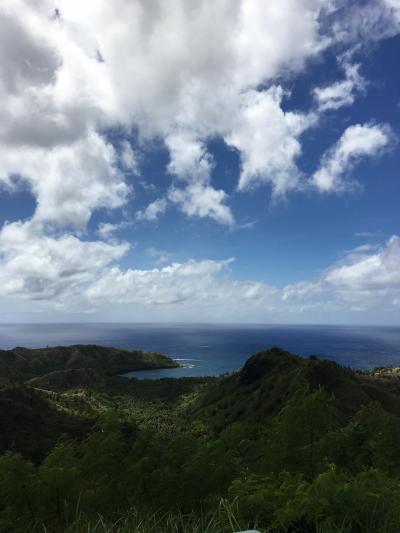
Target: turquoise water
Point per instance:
(215, 349)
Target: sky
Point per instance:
(200, 161)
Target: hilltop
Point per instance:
(269, 379)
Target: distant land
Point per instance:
(24, 363)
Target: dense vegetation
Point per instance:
(24, 363)
(284, 444)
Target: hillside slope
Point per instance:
(31, 425)
(23, 363)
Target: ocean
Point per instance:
(205, 349)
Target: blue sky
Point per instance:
(200, 161)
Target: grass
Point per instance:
(223, 520)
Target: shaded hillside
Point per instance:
(31, 425)
(62, 380)
(34, 415)
(23, 363)
(269, 379)
(168, 390)
(252, 395)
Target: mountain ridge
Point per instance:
(271, 377)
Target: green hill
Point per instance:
(32, 425)
(285, 444)
(269, 379)
(25, 363)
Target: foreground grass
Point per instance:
(223, 520)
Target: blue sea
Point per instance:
(215, 349)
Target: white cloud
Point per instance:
(190, 284)
(68, 181)
(153, 211)
(341, 93)
(128, 157)
(366, 278)
(357, 141)
(187, 71)
(264, 49)
(173, 284)
(75, 275)
(366, 272)
(181, 71)
(155, 75)
(359, 23)
(106, 230)
(38, 266)
(191, 163)
(394, 5)
(190, 160)
(268, 141)
(164, 59)
(199, 200)
(52, 87)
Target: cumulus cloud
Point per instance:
(183, 63)
(38, 266)
(52, 87)
(68, 181)
(366, 273)
(189, 159)
(199, 200)
(191, 163)
(190, 87)
(181, 71)
(366, 277)
(184, 72)
(171, 284)
(74, 274)
(194, 283)
(357, 141)
(65, 79)
(268, 141)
